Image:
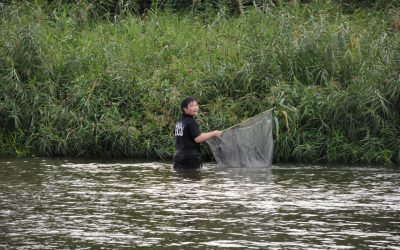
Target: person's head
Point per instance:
(189, 106)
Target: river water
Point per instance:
(85, 204)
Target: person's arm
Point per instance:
(205, 136)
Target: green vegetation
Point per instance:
(72, 84)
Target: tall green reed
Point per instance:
(74, 85)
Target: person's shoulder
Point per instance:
(189, 119)
(192, 120)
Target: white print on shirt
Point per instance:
(179, 129)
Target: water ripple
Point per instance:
(52, 204)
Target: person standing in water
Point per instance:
(188, 136)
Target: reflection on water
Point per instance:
(53, 204)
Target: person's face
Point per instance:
(192, 109)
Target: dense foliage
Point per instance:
(75, 84)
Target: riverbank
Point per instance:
(72, 86)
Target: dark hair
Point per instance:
(186, 101)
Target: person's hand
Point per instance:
(217, 133)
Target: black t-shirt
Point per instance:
(186, 129)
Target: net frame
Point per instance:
(247, 144)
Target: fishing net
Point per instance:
(247, 144)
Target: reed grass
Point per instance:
(75, 85)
